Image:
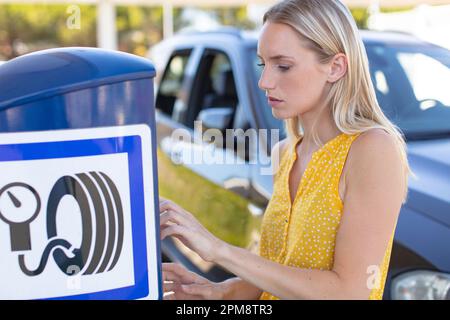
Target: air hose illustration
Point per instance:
(101, 242)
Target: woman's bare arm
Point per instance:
(238, 289)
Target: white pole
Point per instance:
(374, 14)
(106, 25)
(167, 19)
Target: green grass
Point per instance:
(222, 212)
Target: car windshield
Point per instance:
(411, 84)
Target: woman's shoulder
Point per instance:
(373, 141)
(375, 150)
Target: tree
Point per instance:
(29, 27)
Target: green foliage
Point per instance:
(30, 27)
(396, 9)
(236, 17)
(361, 16)
(138, 28)
(233, 16)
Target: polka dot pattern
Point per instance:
(303, 234)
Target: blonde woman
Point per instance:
(328, 229)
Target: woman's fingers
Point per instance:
(206, 291)
(168, 205)
(171, 276)
(176, 222)
(174, 230)
(170, 296)
(175, 269)
(172, 286)
(173, 291)
(174, 272)
(187, 285)
(181, 274)
(171, 216)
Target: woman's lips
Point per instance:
(274, 102)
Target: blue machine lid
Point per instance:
(51, 72)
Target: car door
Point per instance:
(199, 173)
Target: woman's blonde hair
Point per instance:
(330, 29)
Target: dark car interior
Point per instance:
(223, 91)
(172, 81)
(214, 86)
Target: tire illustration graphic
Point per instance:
(102, 224)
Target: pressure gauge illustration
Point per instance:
(19, 206)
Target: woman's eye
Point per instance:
(284, 68)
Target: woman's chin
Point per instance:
(280, 115)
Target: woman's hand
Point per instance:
(178, 223)
(182, 284)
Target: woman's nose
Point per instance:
(265, 81)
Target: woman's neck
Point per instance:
(322, 124)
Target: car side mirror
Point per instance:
(216, 118)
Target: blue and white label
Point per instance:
(78, 216)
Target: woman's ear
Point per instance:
(338, 67)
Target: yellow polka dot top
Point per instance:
(304, 235)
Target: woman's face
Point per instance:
(294, 80)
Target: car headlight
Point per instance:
(421, 285)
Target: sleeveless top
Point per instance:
(304, 236)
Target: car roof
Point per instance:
(235, 38)
(368, 36)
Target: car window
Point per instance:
(411, 86)
(214, 90)
(172, 81)
(214, 86)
